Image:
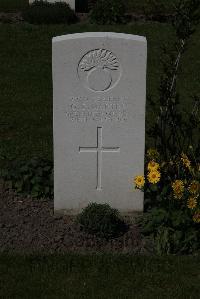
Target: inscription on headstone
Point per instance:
(99, 86)
(84, 109)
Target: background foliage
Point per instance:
(138, 6)
(43, 12)
(108, 12)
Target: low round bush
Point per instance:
(108, 12)
(43, 12)
(102, 221)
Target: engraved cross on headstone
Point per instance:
(99, 149)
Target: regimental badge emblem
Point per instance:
(99, 70)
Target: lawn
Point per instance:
(99, 276)
(26, 82)
(13, 5)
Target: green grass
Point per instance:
(99, 277)
(26, 80)
(13, 5)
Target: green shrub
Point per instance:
(108, 12)
(154, 7)
(102, 221)
(34, 177)
(173, 231)
(43, 12)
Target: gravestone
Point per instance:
(70, 2)
(99, 91)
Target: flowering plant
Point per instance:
(172, 202)
(171, 179)
(174, 183)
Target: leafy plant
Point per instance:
(108, 12)
(173, 231)
(172, 201)
(102, 221)
(174, 130)
(172, 179)
(34, 177)
(43, 12)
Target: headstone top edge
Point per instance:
(99, 34)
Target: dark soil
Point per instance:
(28, 225)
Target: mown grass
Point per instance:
(26, 80)
(13, 5)
(99, 276)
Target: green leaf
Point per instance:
(153, 187)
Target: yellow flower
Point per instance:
(153, 176)
(152, 165)
(139, 181)
(178, 195)
(196, 217)
(194, 187)
(192, 202)
(185, 160)
(152, 153)
(178, 188)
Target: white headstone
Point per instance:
(70, 2)
(99, 91)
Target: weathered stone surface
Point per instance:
(99, 90)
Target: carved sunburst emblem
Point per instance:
(99, 69)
